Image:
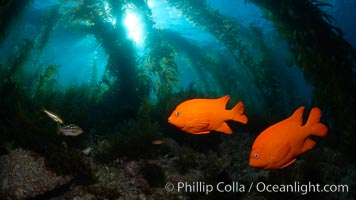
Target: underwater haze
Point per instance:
(174, 99)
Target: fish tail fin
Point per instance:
(238, 113)
(314, 124)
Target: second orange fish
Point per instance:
(279, 145)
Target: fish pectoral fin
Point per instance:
(199, 123)
(308, 144)
(279, 154)
(224, 128)
(289, 163)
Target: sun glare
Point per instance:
(150, 4)
(134, 27)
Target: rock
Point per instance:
(172, 145)
(76, 193)
(132, 168)
(123, 182)
(23, 175)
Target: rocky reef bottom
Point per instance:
(178, 172)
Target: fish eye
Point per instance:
(177, 114)
(256, 155)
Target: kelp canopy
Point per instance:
(123, 70)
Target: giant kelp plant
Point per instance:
(252, 56)
(89, 17)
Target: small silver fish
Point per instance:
(69, 130)
(53, 116)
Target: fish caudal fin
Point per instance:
(314, 124)
(238, 113)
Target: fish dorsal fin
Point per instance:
(223, 100)
(297, 116)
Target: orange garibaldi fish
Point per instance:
(279, 145)
(200, 116)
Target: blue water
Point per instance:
(76, 53)
(343, 12)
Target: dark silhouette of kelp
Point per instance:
(326, 59)
(10, 11)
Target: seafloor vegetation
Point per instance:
(126, 109)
